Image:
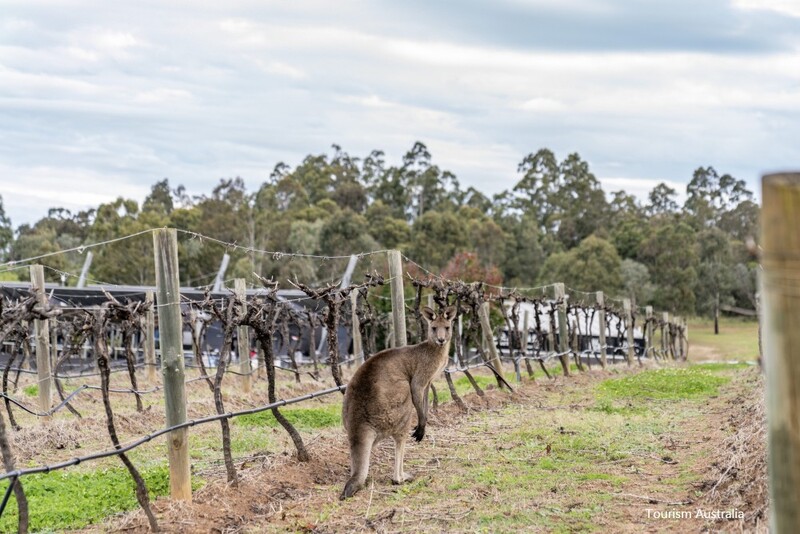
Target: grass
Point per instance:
(524, 468)
(303, 418)
(31, 391)
(72, 499)
(664, 384)
(737, 338)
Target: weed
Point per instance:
(73, 499)
(31, 391)
(669, 384)
(304, 418)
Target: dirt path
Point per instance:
(556, 456)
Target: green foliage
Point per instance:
(303, 418)
(672, 259)
(31, 391)
(671, 384)
(592, 265)
(72, 499)
(554, 224)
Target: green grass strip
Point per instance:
(71, 499)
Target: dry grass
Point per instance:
(490, 469)
(741, 461)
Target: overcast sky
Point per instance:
(101, 99)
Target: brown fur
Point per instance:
(387, 392)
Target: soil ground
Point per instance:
(618, 450)
(546, 458)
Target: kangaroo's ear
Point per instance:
(429, 314)
(450, 313)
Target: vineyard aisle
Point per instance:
(622, 451)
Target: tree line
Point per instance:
(555, 224)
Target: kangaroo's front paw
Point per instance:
(419, 432)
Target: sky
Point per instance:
(100, 100)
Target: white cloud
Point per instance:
(282, 69)
(197, 91)
(29, 190)
(640, 187)
(162, 95)
(543, 104)
(785, 7)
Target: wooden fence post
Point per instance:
(150, 338)
(648, 334)
(686, 338)
(562, 327)
(243, 338)
(488, 337)
(626, 306)
(398, 299)
(665, 335)
(526, 325)
(170, 328)
(358, 350)
(42, 329)
(780, 290)
(601, 320)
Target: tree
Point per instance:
(741, 223)
(661, 201)
(636, 282)
(715, 274)
(436, 237)
(593, 265)
(6, 232)
(628, 236)
(709, 195)
(671, 257)
(129, 261)
(160, 199)
(391, 232)
(346, 233)
(523, 251)
(566, 197)
(467, 266)
(417, 186)
(484, 236)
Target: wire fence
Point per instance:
(306, 333)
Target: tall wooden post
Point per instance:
(488, 337)
(626, 306)
(243, 338)
(526, 325)
(398, 299)
(780, 307)
(648, 333)
(358, 350)
(42, 334)
(562, 327)
(601, 321)
(170, 328)
(150, 338)
(686, 338)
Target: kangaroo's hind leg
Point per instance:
(400, 476)
(360, 450)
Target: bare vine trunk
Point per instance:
(105, 374)
(265, 338)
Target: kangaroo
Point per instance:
(387, 391)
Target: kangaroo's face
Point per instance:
(439, 324)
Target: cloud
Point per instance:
(35, 189)
(199, 91)
(784, 7)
